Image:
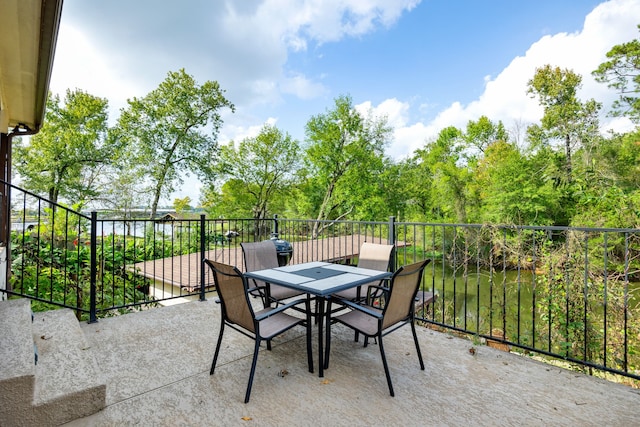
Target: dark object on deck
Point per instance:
(284, 250)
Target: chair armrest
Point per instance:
(376, 292)
(256, 288)
(359, 307)
(279, 309)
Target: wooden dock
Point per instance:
(183, 272)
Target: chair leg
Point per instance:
(327, 340)
(215, 356)
(253, 369)
(269, 345)
(415, 339)
(386, 367)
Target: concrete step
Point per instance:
(69, 384)
(66, 384)
(17, 367)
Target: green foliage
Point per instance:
(258, 170)
(566, 118)
(181, 205)
(621, 72)
(60, 274)
(66, 159)
(512, 189)
(578, 310)
(344, 159)
(163, 134)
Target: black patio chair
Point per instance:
(397, 311)
(238, 314)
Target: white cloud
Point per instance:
(302, 87)
(79, 65)
(406, 138)
(505, 98)
(329, 20)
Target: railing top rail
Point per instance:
(523, 227)
(58, 205)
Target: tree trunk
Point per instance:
(567, 147)
(322, 214)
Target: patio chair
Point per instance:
(261, 255)
(398, 311)
(262, 325)
(373, 256)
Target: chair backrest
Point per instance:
(375, 256)
(259, 255)
(403, 288)
(232, 290)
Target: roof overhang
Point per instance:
(28, 35)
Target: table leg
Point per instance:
(320, 336)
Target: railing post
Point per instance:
(275, 232)
(93, 318)
(392, 241)
(202, 256)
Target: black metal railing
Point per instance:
(569, 293)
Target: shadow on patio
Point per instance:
(156, 366)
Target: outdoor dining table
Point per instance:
(321, 279)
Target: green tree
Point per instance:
(441, 159)
(513, 189)
(610, 191)
(565, 117)
(622, 72)
(344, 156)
(170, 132)
(181, 205)
(258, 169)
(65, 158)
(415, 186)
(483, 132)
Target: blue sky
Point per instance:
(423, 64)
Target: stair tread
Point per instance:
(65, 366)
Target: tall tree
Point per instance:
(62, 160)
(172, 131)
(441, 160)
(565, 117)
(622, 72)
(483, 132)
(344, 149)
(260, 167)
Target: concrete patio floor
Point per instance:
(156, 366)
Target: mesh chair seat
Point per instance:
(276, 324)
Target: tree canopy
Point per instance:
(257, 169)
(170, 132)
(567, 171)
(621, 72)
(65, 159)
(343, 157)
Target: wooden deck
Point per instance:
(183, 272)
